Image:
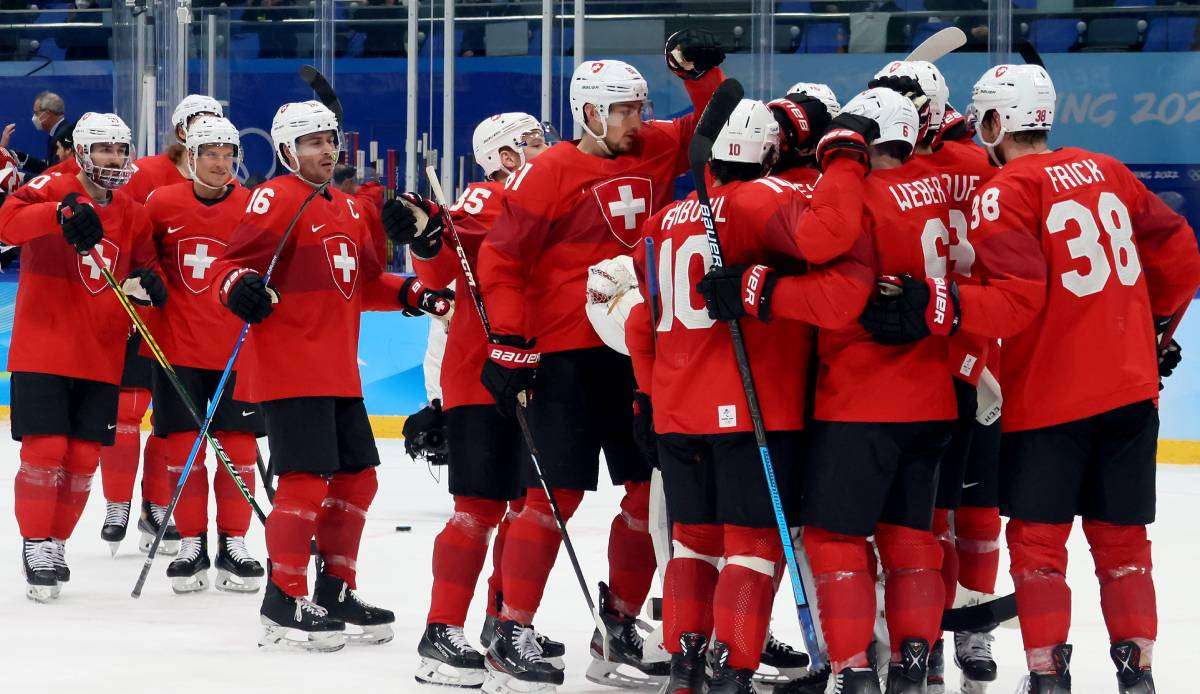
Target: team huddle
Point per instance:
(930, 333)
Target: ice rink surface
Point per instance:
(96, 638)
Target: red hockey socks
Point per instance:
(1038, 564)
(191, 513)
(530, 550)
(119, 462)
(914, 595)
(156, 483)
(340, 525)
(233, 511)
(845, 594)
(977, 544)
(82, 459)
(1123, 566)
(290, 528)
(35, 490)
(631, 561)
(458, 555)
(495, 581)
(745, 592)
(950, 569)
(690, 580)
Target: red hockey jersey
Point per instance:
(67, 320)
(191, 235)
(155, 171)
(567, 211)
(466, 344)
(803, 177)
(326, 276)
(1111, 256)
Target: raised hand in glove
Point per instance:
(145, 288)
(955, 128)
(246, 295)
(691, 53)
(908, 309)
(510, 369)
(414, 221)
(80, 224)
(417, 299)
(802, 120)
(733, 292)
(425, 435)
(849, 135)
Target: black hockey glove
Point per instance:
(416, 222)
(691, 53)
(802, 120)
(733, 292)
(425, 435)
(418, 299)
(907, 310)
(509, 370)
(955, 128)
(643, 427)
(1170, 354)
(80, 224)
(145, 288)
(247, 297)
(849, 135)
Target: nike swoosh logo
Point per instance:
(317, 227)
(247, 414)
(172, 230)
(112, 426)
(968, 485)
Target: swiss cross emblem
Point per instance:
(195, 257)
(89, 270)
(342, 254)
(625, 203)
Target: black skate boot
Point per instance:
(149, 523)
(37, 559)
(935, 676)
(857, 680)
(726, 679)
(58, 555)
(811, 682)
(189, 571)
(447, 659)
(1132, 678)
(237, 571)
(1057, 682)
(973, 655)
(551, 650)
(298, 623)
(688, 665)
(908, 675)
(515, 663)
(116, 523)
(372, 625)
(780, 663)
(625, 665)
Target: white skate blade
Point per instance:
(42, 594)
(373, 635)
(167, 548)
(114, 546)
(231, 583)
(182, 585)
(620, 675)
(434, 672)
(277, 637)
(502, 683)
(769, 676)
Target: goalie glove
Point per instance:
(736, 291)
(691, 53)
(611, 295)
(907, 309)
(425, 435)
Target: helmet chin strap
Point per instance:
(993, 153)
(600, 139)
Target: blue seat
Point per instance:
(1171, 34)
(823, 37)
(794, 7)
(1056, 35)
(924, 30)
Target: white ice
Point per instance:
(95, 638)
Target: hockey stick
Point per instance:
(982, 616)
(723, 102)
(1029, 54)
(943, 42)
(473, 289)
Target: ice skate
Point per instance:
(688, 666)
(973, 655)
(853, 680)
(296, 623)
(41, 583)
(811, 682)
(447, 659)
(551, 650)
(935, 675)
(780, 663)
(908, 675)
(149, 523)
(237, 571)
(1057, 682)
(116, 523)
(366, 624)
(726, 679)
(189, 571)
(515, 663)
(58, 557)
(625, 666)
(1132, 678)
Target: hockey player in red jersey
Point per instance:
(1080, 423)
(192, 223)
(798, 122)
(171, 166)
(307, 379)
(64, 381)
(715, 487)
(580, 203)
(486, 455)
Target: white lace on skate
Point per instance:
(235, 547)
(458, 639)
(528, 647)
(772, 674)
(40, 555)
(116, 513)
(189, 550)
(973, 646)
(58, 553)
(435, 671)
(306, 606)
(281, 636)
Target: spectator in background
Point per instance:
(275, 39)
(381, 40)
(85, 43)
(49, 115)
(974, 25)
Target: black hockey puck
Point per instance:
(403, 528)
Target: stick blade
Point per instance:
(724, 100)
(324, 91)
(938, 45)
(1029, 54)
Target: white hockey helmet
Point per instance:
(103, 128)
(897, 117)
(822, 92)
(603, 83)
(212, 130)
(1021, 95)
(194, 105)
(932, 83)
(751, 135)
(500, 131)
(297, 119)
